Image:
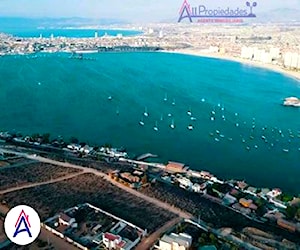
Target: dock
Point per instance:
(146, 156)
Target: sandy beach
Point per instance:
(277, 68)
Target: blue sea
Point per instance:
(241, 126)
(71, 33)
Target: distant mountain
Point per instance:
(279, 15)
(23, 22)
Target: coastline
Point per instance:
(276, 68)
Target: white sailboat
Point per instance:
(172, 124)
(173, 103)
(166, 97)
(109, 98)
(146, 112)
(142, 122)
(189, 112)
(155, 127)
(190, 127)
(161, 117)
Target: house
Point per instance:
(174, 241)
(112, 241)
(292, 227)
(229, 199)
(86, 149)
(74, 147)
(263, 193)
(242, 185)
(176, 167)
(247, 203)
(251, 190)
(274, 193)
(243, 210)
(185, 182)
(66, 220)
(206, 175)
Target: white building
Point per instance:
(174, 241)
(112, 241)
(185, 182)
(247, 53)
(275, 53)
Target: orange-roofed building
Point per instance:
(287, 225)
(247, 203)
(176, 167)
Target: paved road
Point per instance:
(149, 241)
(30, 185)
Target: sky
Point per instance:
(130, 10)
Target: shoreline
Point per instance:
(272, 67)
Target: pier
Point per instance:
(146, 156)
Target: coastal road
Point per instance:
(30, 185)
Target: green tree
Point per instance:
(74, 140)
(291, 212)
(46, 138)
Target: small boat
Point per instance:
(146, 112)
(219, 105)
(237, 124)
(222, 136)
(285, 150)
(223, 108)
(203, 100)
(39, 83)
(263, 137)
(256, 146)
(155, 127)
(117, 111)
(109, 98)
(189, 112)
(193, 118)
(162, 117)
(248, 148)
(230, 139)
(173, 103)
(216, 139)
(172, 124)
(142, 122)
(190, 127)
(166, 97)
(251, 137)
(213, 112)
(211, 134)
(217, 131)
(169, 115)
(236, 114)
(212, 118)
(223, 117)
(243, 140)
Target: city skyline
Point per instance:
(128, 10)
